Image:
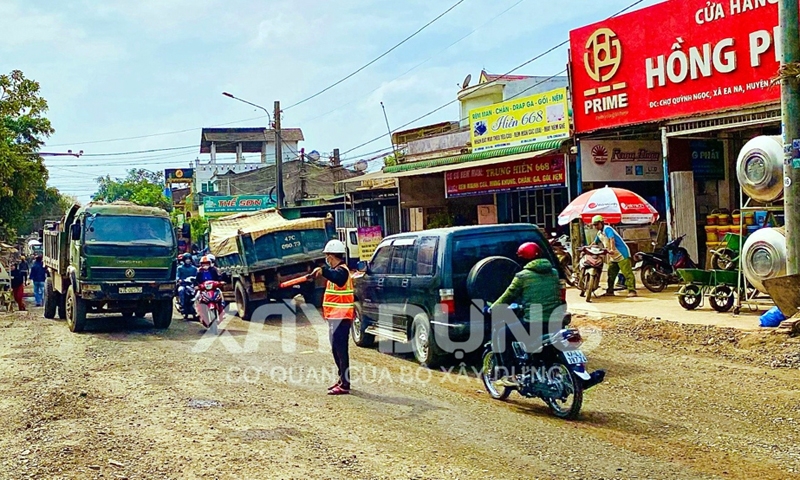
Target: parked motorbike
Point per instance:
(210, 305)
(563, 255)
(553, 369)
(184, 298)
(590, 267)
(660, 268)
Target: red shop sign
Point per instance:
(539, 172)
(674, 59)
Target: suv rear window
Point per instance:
(426, 256)
(470, 250)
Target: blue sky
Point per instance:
(122, 68)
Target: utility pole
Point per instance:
(278, 156)
(302, 175)
(790, 111)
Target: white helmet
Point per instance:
(212, 258)
(335, 246)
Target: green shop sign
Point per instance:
(236, 204)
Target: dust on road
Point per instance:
(127, 401)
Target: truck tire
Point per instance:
(50, 299)
(62, 305)
(76, 311)
(244, 306)
(162, 313)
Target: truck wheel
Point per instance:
(162, 313)
(76, 311)
(62, 305)
(50, 299)
(243, 304)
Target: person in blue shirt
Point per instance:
(38, 276)
(187, 268)
(618, 253)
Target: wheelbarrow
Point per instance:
(718, 285)
(727, 257)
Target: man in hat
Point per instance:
(618, 254)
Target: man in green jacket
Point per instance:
(537, 286)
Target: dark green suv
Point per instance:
(424, 281)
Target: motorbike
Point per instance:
(553, 369)
(210, 305)
(590, 267)
(184, 298)
(660, 268)
(561, 248)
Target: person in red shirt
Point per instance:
(18, 278)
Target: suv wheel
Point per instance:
(358, 331)
(423, 342)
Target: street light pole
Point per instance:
(276, 124)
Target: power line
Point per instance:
(484, 85)
(417, 65)
(154, 134)
(387, 52)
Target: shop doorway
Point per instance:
(540, 207)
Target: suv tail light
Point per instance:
(447, 300)
(562, 291)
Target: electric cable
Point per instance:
(387, 52)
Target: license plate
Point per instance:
(638, 265)
(574, 357)
(130, 289)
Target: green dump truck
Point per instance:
(110, 258)
(260, 250)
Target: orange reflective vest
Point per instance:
(337, 304)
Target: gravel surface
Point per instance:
(127, 401)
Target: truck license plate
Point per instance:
(130, 289)
(575, 357)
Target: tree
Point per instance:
(49, 204)
(140, 186)
(23, 129)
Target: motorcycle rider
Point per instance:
(618, 254)
(538, 286)
(185, 270)
(207, 272)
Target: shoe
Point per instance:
(609, 293)
(334, 385)
(632, 293)
(583, 294)
(338, 390)
(509, 382)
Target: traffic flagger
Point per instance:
(339, 310)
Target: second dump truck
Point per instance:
(259, 250)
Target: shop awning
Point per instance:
(446, 164)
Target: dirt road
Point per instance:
(126, 401)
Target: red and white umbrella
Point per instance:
(616, 205)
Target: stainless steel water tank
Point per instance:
(759, 168)
(764, 256)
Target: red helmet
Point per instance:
(529, 251)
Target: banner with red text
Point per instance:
(674, 59)
(537, 172)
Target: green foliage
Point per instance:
(140, 186)
(23, 129)
(440, 219)
(392, 160)
(50, 204)
(199, 227)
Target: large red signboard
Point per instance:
(539, 172)
(675, 59)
